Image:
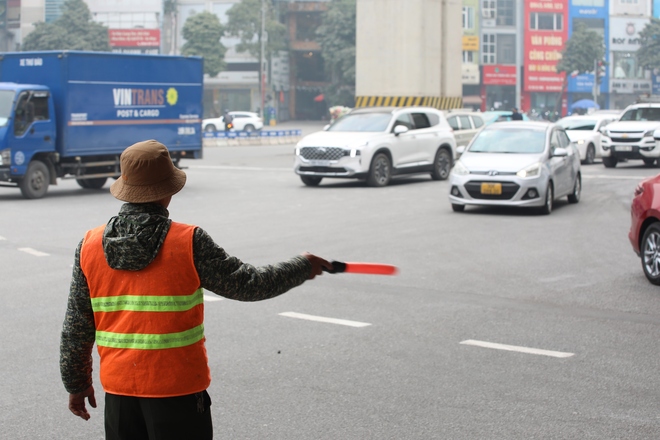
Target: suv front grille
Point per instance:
(323, 153)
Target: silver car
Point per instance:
(517, 163)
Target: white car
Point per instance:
(243, 121)
(517, 163)
(585, 131)
(376, 144)
(631, 135)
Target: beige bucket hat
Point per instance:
(147, 174)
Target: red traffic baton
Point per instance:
(363, 268)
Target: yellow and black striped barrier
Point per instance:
(441, 103)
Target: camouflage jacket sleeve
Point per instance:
(78, 333)
(230, 277)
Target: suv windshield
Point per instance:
(642, 114)
(578, 124)
(509, 140)
(367, 122)
(6, 101)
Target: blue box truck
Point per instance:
(70, 114)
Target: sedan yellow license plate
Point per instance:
(491, 188)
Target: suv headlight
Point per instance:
(530, 171)
(5, 157)
(649, 133)
(460, 169)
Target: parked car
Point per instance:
(644, 234)
(517, 163)
(465, 125)
(243, 121)
(631, 136)
(376, 144)
(500, 116)
(585, 131)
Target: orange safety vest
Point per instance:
(149, 322)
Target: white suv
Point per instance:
(376, 144)
(631, 136)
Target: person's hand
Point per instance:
(318, 264)
(77, 403)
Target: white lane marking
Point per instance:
(212, 298)
(558, 354)
(604, 176)
(323, 319)
(235, 168)
(34, 252)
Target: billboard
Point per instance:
(546, 32)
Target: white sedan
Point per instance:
(584, 130)
(243, 121)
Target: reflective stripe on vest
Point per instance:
(140, 341)
(148, 303)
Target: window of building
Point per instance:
(506, 13)
(488, 8)
(626, 66)
(468, 56)
(128, 20)
(546, 21)
(488, 49)
(593, 24)
(468, 17)
(630, 1)
(506, 49)
(306, 25)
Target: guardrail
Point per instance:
(263, 137)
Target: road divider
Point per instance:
(244, 138)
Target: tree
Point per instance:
(244, 22)
(648, 55)
(336, 37)
(582, 51)
(202, 33)
(73, 30)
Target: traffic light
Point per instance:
(601, 69)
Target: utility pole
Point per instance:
(262, 56)
(596, 81)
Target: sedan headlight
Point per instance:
(531, 171)
(460, 169)
(5, 157)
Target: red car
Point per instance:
(644, 232)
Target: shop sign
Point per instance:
(499, 74)
(624, 33)
(134, 37)
(630, 86)
(543, 47)
(470, 74)
(470, 43)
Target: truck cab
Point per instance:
(27, 136)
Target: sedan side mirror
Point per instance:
(656, 135)
(399, 129)
(560, 152)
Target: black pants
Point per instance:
(171, 418)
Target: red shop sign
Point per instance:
(498, 74)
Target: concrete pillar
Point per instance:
(409, 53)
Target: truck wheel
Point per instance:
(610, 162)
(311, 180)
(35, 183)
(96, 183)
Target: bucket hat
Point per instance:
(147, 174)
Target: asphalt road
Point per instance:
(563, 293)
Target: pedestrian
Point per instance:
(137, 291)
(515, 115)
